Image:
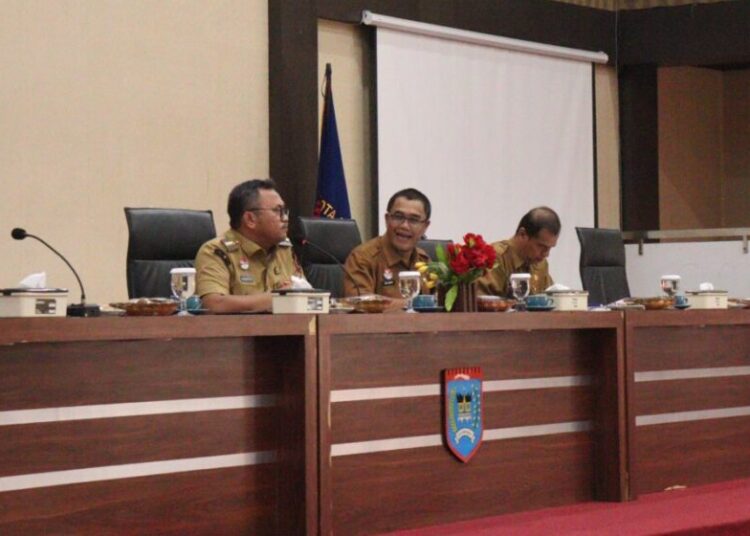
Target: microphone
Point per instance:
(74, 309)
(305, 242)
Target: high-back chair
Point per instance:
(429, 245)
(602, 265)
(160, 239)
(323, 246)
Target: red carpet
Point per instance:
(716, 509)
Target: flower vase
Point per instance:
(466, 299)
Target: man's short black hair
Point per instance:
(540, 218)
(412, 194)
(243, 197)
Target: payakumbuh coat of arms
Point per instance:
(463, 411)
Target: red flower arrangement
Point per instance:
(462, 263)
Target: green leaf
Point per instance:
(450, 297)
(440, 254)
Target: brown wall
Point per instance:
(704, 133)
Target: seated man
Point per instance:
(237, 271)
(525, 252)
(373, 267)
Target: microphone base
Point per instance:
(84, 310)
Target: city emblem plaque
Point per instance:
(462, 394)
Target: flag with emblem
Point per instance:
(331, 197)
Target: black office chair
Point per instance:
(322, 248)
(161, 239)
(602, 265)
(429, 245)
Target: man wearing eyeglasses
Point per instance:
(237, 271)
(524, 252)
(373, 267)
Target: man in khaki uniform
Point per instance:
(373, 267)
(525, 252)
(237, 271)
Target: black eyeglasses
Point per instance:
(398, 218)
(282, 212)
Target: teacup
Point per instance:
(539, 300)
(425, 301)
(193, 303)
(680, 300)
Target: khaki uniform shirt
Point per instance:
(375, 266)
(496, 281)
(233, 264)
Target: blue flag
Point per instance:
(331, 197)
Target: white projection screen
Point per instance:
(486, 133)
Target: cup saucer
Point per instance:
(540, 307)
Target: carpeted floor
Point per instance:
(716, 509)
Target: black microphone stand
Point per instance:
(306, 242)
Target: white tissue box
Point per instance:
(571, 300)
(37, 302)
(300, 301)
(707, 299)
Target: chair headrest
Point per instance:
(337, 237)
(165, 233)
(601, 247)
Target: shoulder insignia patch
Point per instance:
(231, 245)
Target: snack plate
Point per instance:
(436, 309)
(147, 307)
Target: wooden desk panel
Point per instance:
(553, 419)
(152, 425)
(688, 385)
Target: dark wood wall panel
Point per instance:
(639, 147)
(56, 446)
(664, 348)
(691, 453)
(696, 34)
(224, 501)
(385, 491)
(423, 415)
(691, 395)
(398, 359)
(79, 373)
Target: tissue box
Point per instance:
(573, 300)
(306, 301)
(707, 299)
(36, 302)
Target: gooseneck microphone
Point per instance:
(305, 242)
(74, 309)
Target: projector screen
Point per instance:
(486, 133)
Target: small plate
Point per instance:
(540, 307)
(682, 306)
(429, 309)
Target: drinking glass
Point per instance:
(182, 281)
(519, 285)
(670, 284)
(409, 285)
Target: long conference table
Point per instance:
(300, 424)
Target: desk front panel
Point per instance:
(108, 432)
(552, 433)
(688, 397)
